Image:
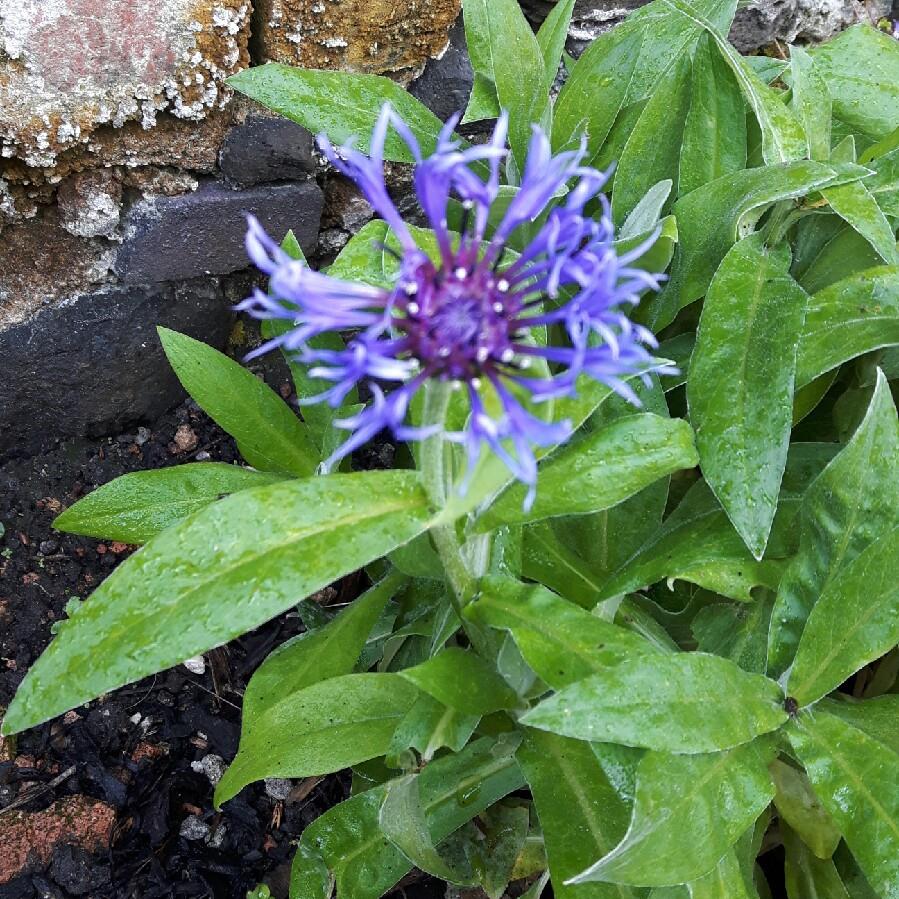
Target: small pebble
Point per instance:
(185, 440)
(278, 788)
(216, 838)
(203, 456)
(196, 665)
(143, 435)
(48, 547)
(194, 828)
(213, 766)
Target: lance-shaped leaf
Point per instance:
(734, 875)
(688, 811)
(600, 471)
(347, 844)
(737, 631)
(861, 68)
(783, 138)
(581, 814)
(328, 652)
(845, 510)
(854, 776)
(269, 436)
(878, 717)
(551, 39)
(652, 152)
(807, 875)
(677, 702)
(812, 103)
(856, 315)
(854, 622)
(858, 206)
(884, 183)
(734, 203)
(715, 130)
(429, 725)
(561, 642)
(321, 729)
(136, 507)
(462, 680)
(343, 105)
(216, 575)
(800, 808)
(740, 388)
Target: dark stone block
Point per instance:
(265, 148)
(445, 84)
(202, 233)
(95, 365)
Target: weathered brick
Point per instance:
(171, 238)
(355, 35)
(265, 148)
(68, 66)
(94, 364)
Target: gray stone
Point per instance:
(278, 788)
(172, 238)
(94, 365)
(757, 25)
(213, 766)
(445, 84)
(265, 148)
(194, 828)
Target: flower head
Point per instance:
(477, 314)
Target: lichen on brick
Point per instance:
(70, 66)
(355, 35)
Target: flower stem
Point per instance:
(435, 476)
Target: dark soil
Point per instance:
(145, 750)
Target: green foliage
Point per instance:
(618, 687)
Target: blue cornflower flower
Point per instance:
(470, 318)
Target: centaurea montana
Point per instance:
(476, 315)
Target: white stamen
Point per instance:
(411, 289)
(461, 273)
(502, 285)
(443, 352)
(525, 363)
(508, 354)
(468, 204)
(413, 308)
(498, 307)
(482, 354)
(457, 385)
(476, 383)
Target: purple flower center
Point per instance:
(459, 323)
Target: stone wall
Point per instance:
(127, 167)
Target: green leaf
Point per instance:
(845, 253)
(736, 631)
(494, 858)
(688, 811)
(799, 807)
(551, 39)
(878, 717)
(402, 820)
(858, 206)
(320, 729)
(347, 844)
(269, 436)
(581, 814)
(861, 68)
(136, 507)
(429, 725)
(783, 138)
(512, 59)
(644, 217)
(328, 652)
(715, 130)
(561, 642)
(216, 575)
(812, 103)
(697, 543)
(884, 183)
(854, 621)
(595, 91)
(807, 876)
(463, 680)
(734, 202)
(854, 776)
(599, 471)
(852, 502)
(740, 388)
(734, 875)
(852, 317)
(652, 152)
(663, 702)
(343, 105)
(362, 258)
